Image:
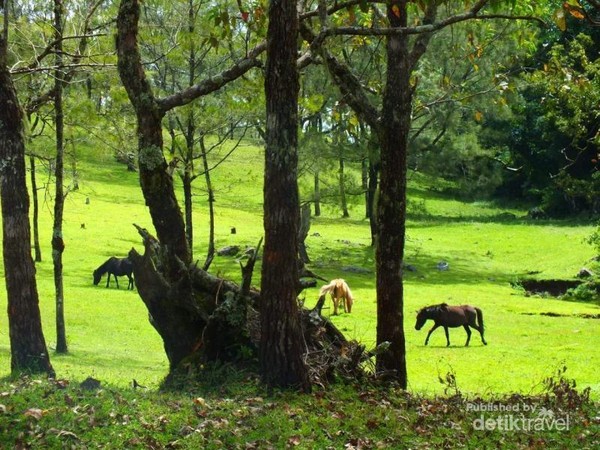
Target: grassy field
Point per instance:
(110, 338)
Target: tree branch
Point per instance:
(215, 83)
(352, 90)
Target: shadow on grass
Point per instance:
(356, 262)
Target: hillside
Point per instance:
(486, 250)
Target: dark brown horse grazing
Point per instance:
(116, 267)
(451, 317)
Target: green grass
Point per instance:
(110, 338)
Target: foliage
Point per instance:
(555, 128)
(463, 86)
(589, 291)
(569, 196)
(594, 240)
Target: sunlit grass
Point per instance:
(111, 339)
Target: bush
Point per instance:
(585, 292)
(571, 196)
(594, 239)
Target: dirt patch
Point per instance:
(555, 288)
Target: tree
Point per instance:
(28, 347)
(391, 125)
(168, 283)
(58, 245)
(281, 335)
(45, 90)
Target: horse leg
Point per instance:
(130, 285)
(335, 306)
(468, 330)
(447, 336)
(108, 280)
(116, 281)
(430, 331)
(480, 329)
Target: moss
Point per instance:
(151, 157)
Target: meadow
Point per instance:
(486, 247)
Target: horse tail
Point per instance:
(479, 318)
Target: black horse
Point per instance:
(116, 267)
(451, 316)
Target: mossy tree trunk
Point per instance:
(181, 308)
(27, 344)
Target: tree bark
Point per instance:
(27, 344)
(281, 334)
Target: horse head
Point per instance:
(422, 317)
(97, 277)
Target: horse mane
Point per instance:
(345, 287)
(434, 308)
(102, 269)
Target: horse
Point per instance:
(339, 290)
(451, 316)
(116, 267)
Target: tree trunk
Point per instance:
(210, 252)
(317, 195)
(391, 205)
(27, 343)
(281, 333)
(157, 184)
(364, 178)
(58, 245)
(168, 293)
(190, 136)
(374, 168)
(190, 316)
(36, 211)
(187, 200)
(303, 229)
(342, 185)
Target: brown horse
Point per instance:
(451, 317)
(339, 290)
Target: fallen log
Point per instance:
(202, 317)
